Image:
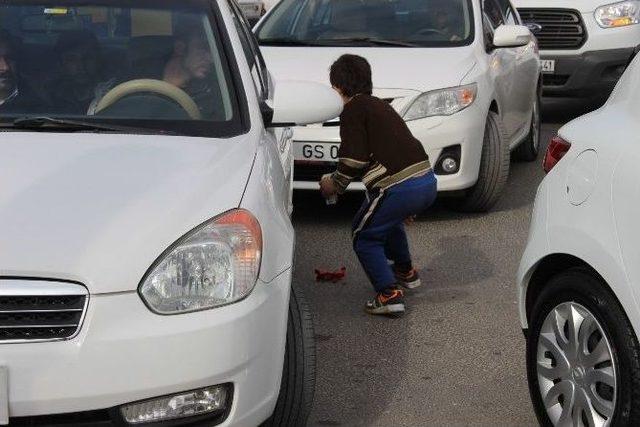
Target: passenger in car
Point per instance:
(81, 68)
(15, 96)
(8, 77)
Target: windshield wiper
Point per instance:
(39, 123)
(283, 41)
(369, 40)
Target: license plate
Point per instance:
(319, 152)
(548, 65)
(4, 396)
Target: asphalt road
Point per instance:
(457, 357)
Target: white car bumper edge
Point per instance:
(115, 358)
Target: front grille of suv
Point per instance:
(41, 312)
(561, 28)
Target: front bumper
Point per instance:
(465, 129)
(590, 74)
(124, 353)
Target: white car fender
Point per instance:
(263, 199)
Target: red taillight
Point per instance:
(558, 147)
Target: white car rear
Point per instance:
(466, 82)
(579, 279)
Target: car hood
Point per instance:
(419, 69)
(584, 6)
(100, 208)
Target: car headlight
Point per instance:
(216, 264)
(442, 102)
(618, 14)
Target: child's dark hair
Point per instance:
(352, 75)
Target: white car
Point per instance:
(585, 45)
(146, 249)
(579, 279)
(465, 79)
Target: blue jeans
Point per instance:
(378, 228)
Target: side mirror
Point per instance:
(511, 36)
(301, 103)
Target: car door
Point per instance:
(281, 137)
(526, 75)
(503, 66)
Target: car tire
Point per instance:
(297, 387)
(493, 173)
(580, 291)
(528, 150)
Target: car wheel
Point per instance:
(297, 387)
(528, 150)
(583, 358)
(493, 174)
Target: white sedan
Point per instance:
(579, 280)
(146, 248)
(465, 75)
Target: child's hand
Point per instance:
(328, 188)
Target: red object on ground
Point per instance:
(330, 276)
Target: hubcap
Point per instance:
(576, 369)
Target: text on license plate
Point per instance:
(548, 65)
(321, 152)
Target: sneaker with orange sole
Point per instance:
(409, 279)
(390, 301)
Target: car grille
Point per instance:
(561, 28)
(41, 312)
(554, 79)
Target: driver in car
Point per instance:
(189, 68)
(444, 25)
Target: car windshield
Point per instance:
(401, 23)
(158, 66)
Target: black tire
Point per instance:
(493, 174)
(528, 149)
(297, 387)
(583, 287)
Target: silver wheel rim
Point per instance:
(576, 369)
(535, 126)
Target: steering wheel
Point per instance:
(427, 31)
(158, 87)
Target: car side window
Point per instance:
(493, 13)
(510, 15)
(252, 51)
